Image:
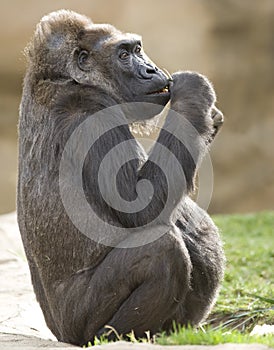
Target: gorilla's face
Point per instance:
(123, 64)
(141, 80)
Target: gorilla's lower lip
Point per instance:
(164, 90)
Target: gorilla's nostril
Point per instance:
(151, 70)
(147, 71)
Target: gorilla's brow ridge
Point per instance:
(129, 44)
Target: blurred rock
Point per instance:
(242, 49)
(264, 329)
(19, 310)
(144, 346)
(231, 41)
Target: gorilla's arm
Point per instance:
(184, 136)
(173, 161)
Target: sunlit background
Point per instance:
(230, 41)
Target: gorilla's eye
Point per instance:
(83, 55)
(138, 49)
(124, 55)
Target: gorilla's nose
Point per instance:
(147, 71)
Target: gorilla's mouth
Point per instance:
(164, 90)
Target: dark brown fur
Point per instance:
(81, 285)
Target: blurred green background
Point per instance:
(230, 41)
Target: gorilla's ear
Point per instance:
(82, 57)
(79, 71)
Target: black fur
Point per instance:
(74, 71)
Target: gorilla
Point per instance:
(112, 237)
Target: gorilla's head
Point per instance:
(67, 45)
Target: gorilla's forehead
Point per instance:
(124, 39)
(106, 35)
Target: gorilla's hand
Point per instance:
(191, 90)
(193, 96)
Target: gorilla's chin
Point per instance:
(143, 110)
(158, 98)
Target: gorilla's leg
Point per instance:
(207, 259)
(196, 305)
(132, 289)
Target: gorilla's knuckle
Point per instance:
(217, 116)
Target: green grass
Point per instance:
(189, 336)
(249, 279)
(249, 247)
(247, 294)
